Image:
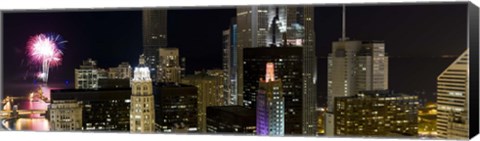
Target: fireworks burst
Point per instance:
(45, 50)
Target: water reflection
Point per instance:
(32, 124)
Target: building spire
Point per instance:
(270, 74)
(344, 20)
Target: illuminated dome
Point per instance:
(141, 73)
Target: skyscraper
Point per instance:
(230, 64)
(262, 26)
(354, 66)
(452, 100)
(154, 37)
(288, 69)
(169, 69)
(270, 105)
(142, 112)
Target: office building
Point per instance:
(142, 110)
(270, 105)
(376, 113)
(263, 26)
(452, 100)
(154, 26)
(102, 109)
(230, 63)
(210, 93)
(176, 108)
(169, 70)
(354, 66)
(288, 68)
(65, 115)
(365, 60)
(231, 120)
(87, 75)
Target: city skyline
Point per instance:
(388, 55)
(328, 29)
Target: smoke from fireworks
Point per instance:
(45, 50)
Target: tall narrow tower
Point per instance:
(142, 112)
(154, 37)
(270, 105)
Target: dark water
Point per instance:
(30, 122)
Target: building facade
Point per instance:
(270, 114)
(376, 113)
(176, 108)
(169, 69)
(102, 109)
(210, 93)
(142, 109)
(87, 75)
(65, 115)
(231, 120)
(122, 71)
(452, 100)
(154, 28)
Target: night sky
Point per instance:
(415, 36)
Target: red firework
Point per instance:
(45, 49)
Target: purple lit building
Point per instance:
(270, 105)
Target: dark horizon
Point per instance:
(112, 37)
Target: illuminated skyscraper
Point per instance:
(142, 112)
(452, 100)
(154, 37)
(270, 105)
(262, 26)
(230, 64)
(169, 69)
(288, 67)
(354, 66)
